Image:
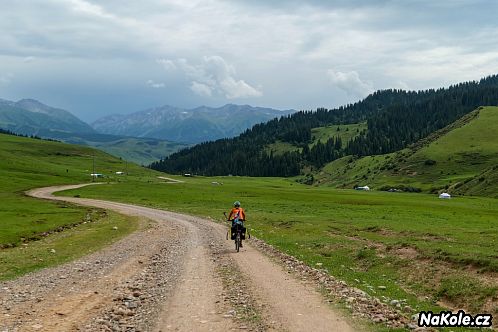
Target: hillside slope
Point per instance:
(30, 117)
(461, 158)
(26, 163)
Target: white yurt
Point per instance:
(363, 188)
(445, 196)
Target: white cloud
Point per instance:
(213, 75)
(6, 79)
(201, 89)
(90, 9)
(350, 82)
(155, 85)
(402, 85)
(238, 89)
(446, 65)
(284, 46)
(29, 59)
(167, 64)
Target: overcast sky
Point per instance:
(119, 56)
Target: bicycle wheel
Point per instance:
(237, 241)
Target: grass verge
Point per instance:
(30, 228)
(65, 246)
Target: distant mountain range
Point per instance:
(142, 137)
(187, 125)
(30, 117)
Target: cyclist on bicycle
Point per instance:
(237, 215)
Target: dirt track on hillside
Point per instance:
(165, 278)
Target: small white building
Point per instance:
(96, 175)
(366, 188)
(119, 173)
(445, 196)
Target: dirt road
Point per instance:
(169, 277)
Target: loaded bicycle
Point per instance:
(237, 231)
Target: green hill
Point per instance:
(27, 163)
(460, 158)
(344, 132)
(484, 184)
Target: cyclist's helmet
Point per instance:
(236, 204)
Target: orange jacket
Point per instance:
(237, 211)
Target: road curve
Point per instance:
(170, 274)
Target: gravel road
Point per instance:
(180, 274)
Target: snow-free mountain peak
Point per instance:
(195, 125)
(31, 117)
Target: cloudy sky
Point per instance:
(120, 56)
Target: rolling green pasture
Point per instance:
(279, 148)
(421, 248)
(460, 154)
(345, 132)
(320, 134)
(29, 163)
(349, 172)
(463, 159)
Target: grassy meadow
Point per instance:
(425, 250)
(344, 132)
(321, 134)
(25, 222)
(462, 158)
